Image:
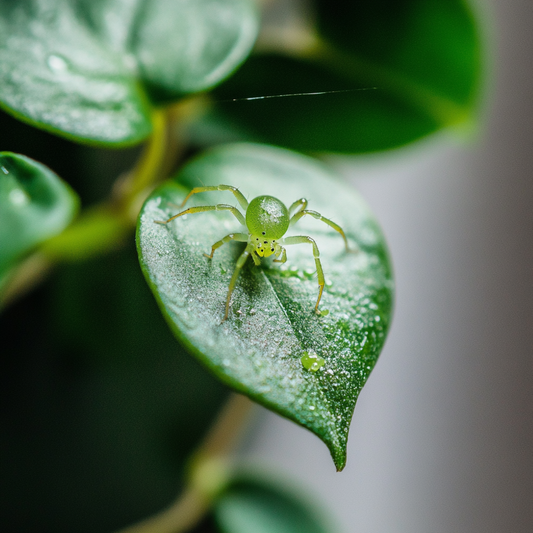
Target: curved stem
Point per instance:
(29, 273)
(207, 476)
(131, 190)
(101, 228)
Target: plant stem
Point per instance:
(130, 191)
(208, 473)
(30, 272)
(101, 228)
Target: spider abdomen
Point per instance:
(267, 217)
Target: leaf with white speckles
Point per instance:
(258, 350)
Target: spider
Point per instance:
(267, 220)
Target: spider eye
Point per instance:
(264, 233)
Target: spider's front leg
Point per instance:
(202, 208)
(280, 251)
(239, 237)
(300, 206)
(238, 194)
(240, 263)
(302, 239)
(256, 258)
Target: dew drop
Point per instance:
(57, 63)
(18, 197)
(4, 170)
(312, 361)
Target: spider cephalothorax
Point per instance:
(267, 220)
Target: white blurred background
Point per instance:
(442, 436)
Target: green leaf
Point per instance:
(35, 204)
(91, 69)
(410, 68)
(272, 323)
(252, 504)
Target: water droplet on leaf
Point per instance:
(57, 63)
(312, 361)
(18, 197)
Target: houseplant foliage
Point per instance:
(111, 401)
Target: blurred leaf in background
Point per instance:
(404, 69)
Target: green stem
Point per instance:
(104, 227)
(131, 191)
(208, 473)
(33, 270)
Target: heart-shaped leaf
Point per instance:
(274, 347)
(35, 204)
(88, 69)
(397, 69)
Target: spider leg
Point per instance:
(219, 207)
(302, 212)
(240, 263)
(299, 205)
(302, 239)
(239, 237)
(238, 194)
(283, 254)
(256, 259)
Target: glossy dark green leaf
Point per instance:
(411, 67)
(88, 69)
(272, 324)
(35, 204)
(252, 504)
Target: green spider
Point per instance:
(267, 220)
